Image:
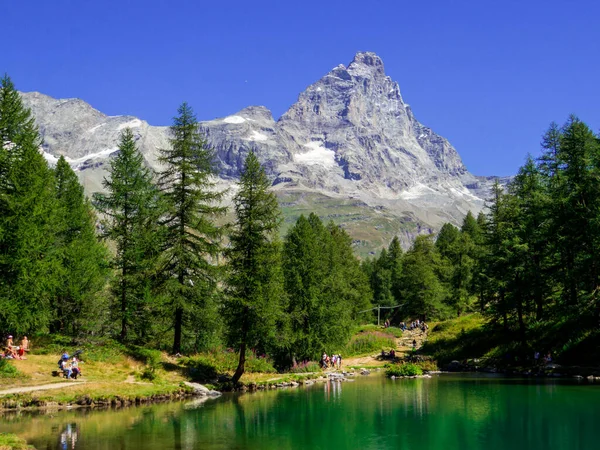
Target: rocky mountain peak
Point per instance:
(366, 65)
(257, 113)
(349, 136)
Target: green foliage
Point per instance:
(368, 343)
(28, 262)
(192, 238)
(132, 208)
(255, 281)
(13, 442)
(306, 367)
(7, 370)
(422, 290)
(325, 289)
(403, 370)
(83, 259)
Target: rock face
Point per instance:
(349, 136)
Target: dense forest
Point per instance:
(530, 264)
(152, 261)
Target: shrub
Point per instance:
(7, 370)
(12, 441)
(403, 370)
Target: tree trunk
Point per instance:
(241, 365)
(177, 336)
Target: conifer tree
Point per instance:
(255, 280)
(28, 263)
(192, 240)
(82, 258)
(422, 291)
(132, 209)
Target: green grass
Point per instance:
(394, 331)
(369, 342)
(403, 370)
(468, 336)
(370, 228)
(13, 442)
(209, 365)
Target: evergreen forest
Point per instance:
(153, 262)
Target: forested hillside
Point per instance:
(152, 262)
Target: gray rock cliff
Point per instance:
(350, 135)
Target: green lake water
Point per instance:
(446, 412)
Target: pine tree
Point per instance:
(82, 258)
(132, 209)
(193, 240)
(255, 278)
(28, 264)
(395, 255)
(422, 291)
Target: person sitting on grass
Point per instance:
(24, 347)
(64, 365)
(75, 371)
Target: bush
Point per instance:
(306, 367)
(403, 370)
(12, 441)
(7, 370)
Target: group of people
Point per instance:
(415, 325)
(546, 359)
(12, 351)
(69, 366)
(333, 361)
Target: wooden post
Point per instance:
(378, 312)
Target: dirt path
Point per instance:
(41, 387)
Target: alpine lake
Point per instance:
(447, 411)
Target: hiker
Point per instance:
(339, 361)
(414, 344)
(9, 341)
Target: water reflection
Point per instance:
(68, 438)
(372, 413)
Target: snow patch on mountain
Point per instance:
(234, 119)
(257, 136)
(131, 124)
(316, 155)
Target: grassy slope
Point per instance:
(472, 336)
(370, 228)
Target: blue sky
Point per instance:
(489, 76)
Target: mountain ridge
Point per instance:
(350, 135)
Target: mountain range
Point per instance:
(349, 149)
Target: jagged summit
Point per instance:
(366, 64)
(349, 135)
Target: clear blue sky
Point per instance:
(489, 76)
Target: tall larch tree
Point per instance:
(132, 208)
(28, 262)
(83, 258)
(255, 281)
(193, 239)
